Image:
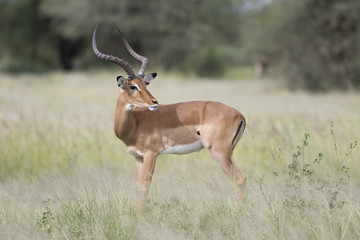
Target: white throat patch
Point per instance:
(129, 107)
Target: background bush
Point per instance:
(315, 43)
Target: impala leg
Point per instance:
(139, 173)
(144, 172)
(223, 158)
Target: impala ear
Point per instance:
(149, 77)
(121, 81)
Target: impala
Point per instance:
(149, 129)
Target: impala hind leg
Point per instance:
(144, 171)
(223, 158)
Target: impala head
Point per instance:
(136, 92)
(134, 86)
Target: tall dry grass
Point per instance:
(65, 175)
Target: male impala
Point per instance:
(176, 128)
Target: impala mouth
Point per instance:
(153, 107)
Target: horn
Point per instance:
(142, 59)
(111, 58)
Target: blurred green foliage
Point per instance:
(168, 32)
(208, 62)
(315, 43)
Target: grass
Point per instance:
(64, 175)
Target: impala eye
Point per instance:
(133, 88)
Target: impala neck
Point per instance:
(124, 123)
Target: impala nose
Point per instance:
(155, 106)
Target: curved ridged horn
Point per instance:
(142, 59)
(111, 58)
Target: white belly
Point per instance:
(183, 149)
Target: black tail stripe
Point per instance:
(237, 133)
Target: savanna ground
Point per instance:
(64, 175)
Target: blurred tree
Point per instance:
(208, 63)
(58, 33)
(167, 30)
(317, 41)
(26, 39)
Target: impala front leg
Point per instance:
(139, 172)
(144, 172)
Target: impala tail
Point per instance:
(239, 133)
